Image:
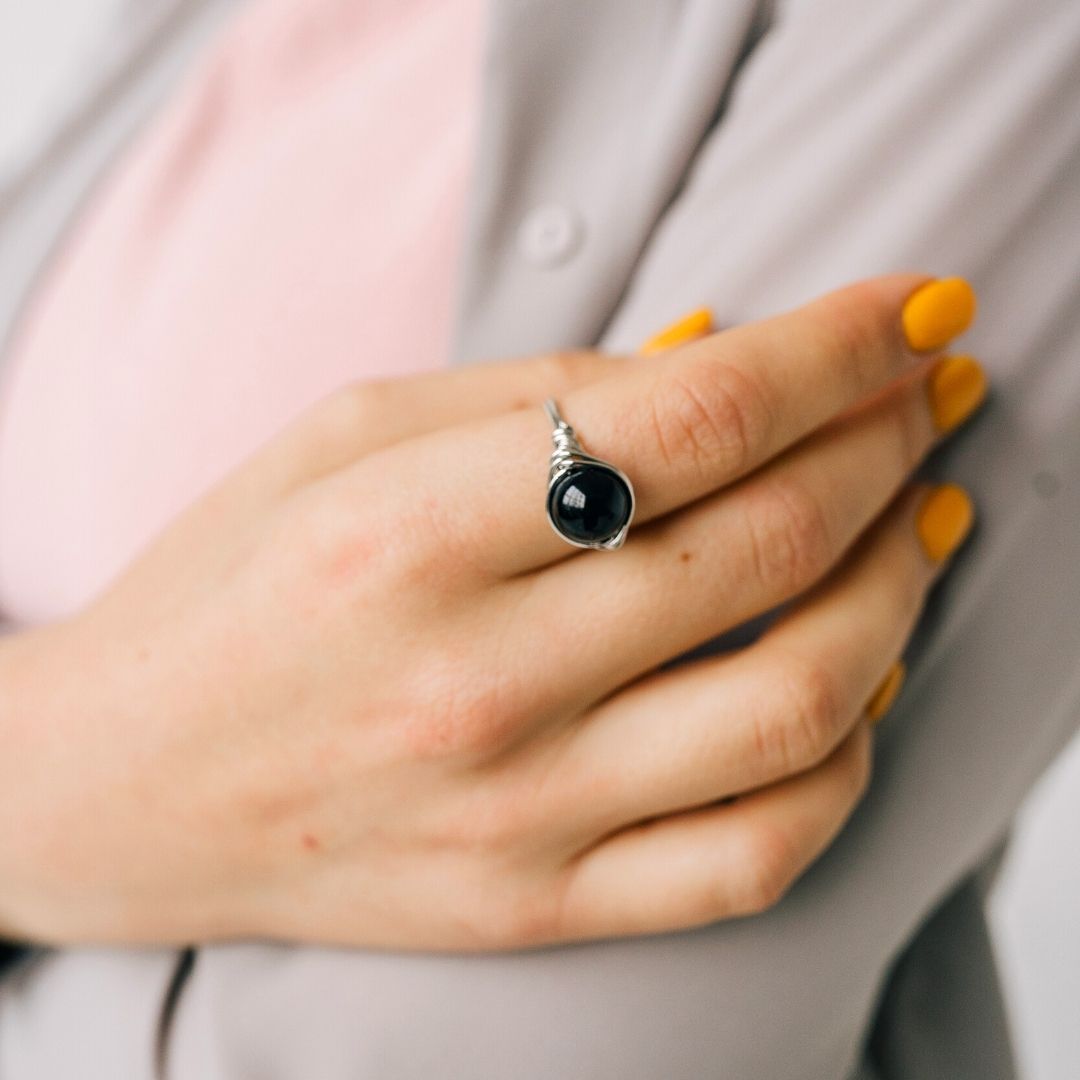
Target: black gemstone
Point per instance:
(590, 504)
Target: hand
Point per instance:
(361, 693)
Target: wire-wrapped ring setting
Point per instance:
(590, 503)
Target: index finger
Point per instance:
(695, 420)
(726, 404)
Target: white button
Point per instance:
(549, 235)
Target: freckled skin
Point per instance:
(685, 556)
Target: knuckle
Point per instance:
(348, 416)
(521, 916)
(816, 711)
(789, 535)
(861, 768)
(326, 550)
(510, 896)
(351, 402)
(489, 843)
(769, 868)
(714, 898)
(711, 414)
(337, 428)
(421, 542)
(413, 538)
(465, 717)
(805, 727)
(344, 554)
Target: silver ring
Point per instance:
(590, 503)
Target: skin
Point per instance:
(360, 693)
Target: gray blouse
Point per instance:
(640, 157)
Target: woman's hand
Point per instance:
(361, 693)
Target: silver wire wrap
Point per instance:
(567, 450)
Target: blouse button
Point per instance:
(549, 235)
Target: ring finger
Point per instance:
(743, 720)
(682, 427)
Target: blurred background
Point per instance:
(49, 48)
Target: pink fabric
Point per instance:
(289, 223)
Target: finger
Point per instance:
(735, 555)
(363, 417)
(715, 863)
(683, 425)
(397, 409)
(744, 720)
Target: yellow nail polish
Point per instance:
(883, 697)
(944, 519)
(938, 312)
(957, 387)
(697, 324)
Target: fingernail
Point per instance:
(944, 519)
(883, 697)
(938, 312)
(697, 324)
(957, 387)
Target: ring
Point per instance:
(589, 502)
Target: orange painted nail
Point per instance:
(696, 324)
(944, 519)
(957, 387)
(938, 312)
(883, 697)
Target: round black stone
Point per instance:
(590, 504)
